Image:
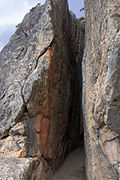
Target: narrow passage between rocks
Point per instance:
(73, 167)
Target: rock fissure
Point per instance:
(25, 105)
(42, 53)
(25, 33)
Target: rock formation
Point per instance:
(102, 125)
(41, 116)
(40, 92)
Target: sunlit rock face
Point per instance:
(40, 94)
(102, 126)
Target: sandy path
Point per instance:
(73, 167)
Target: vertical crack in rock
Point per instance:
(26, 110)
(42, 53)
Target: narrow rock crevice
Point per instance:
(42, 53)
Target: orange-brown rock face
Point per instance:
(102, 126)
(58, 123)
(40, 115)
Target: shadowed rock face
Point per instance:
(102, 126)
(40, 94)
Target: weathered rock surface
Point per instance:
(40, 94)
(102, 126)
(15, 168)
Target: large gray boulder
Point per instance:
(40, 94)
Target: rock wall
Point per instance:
(102, 125)
(40, 94)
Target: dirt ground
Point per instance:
(73, 167)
